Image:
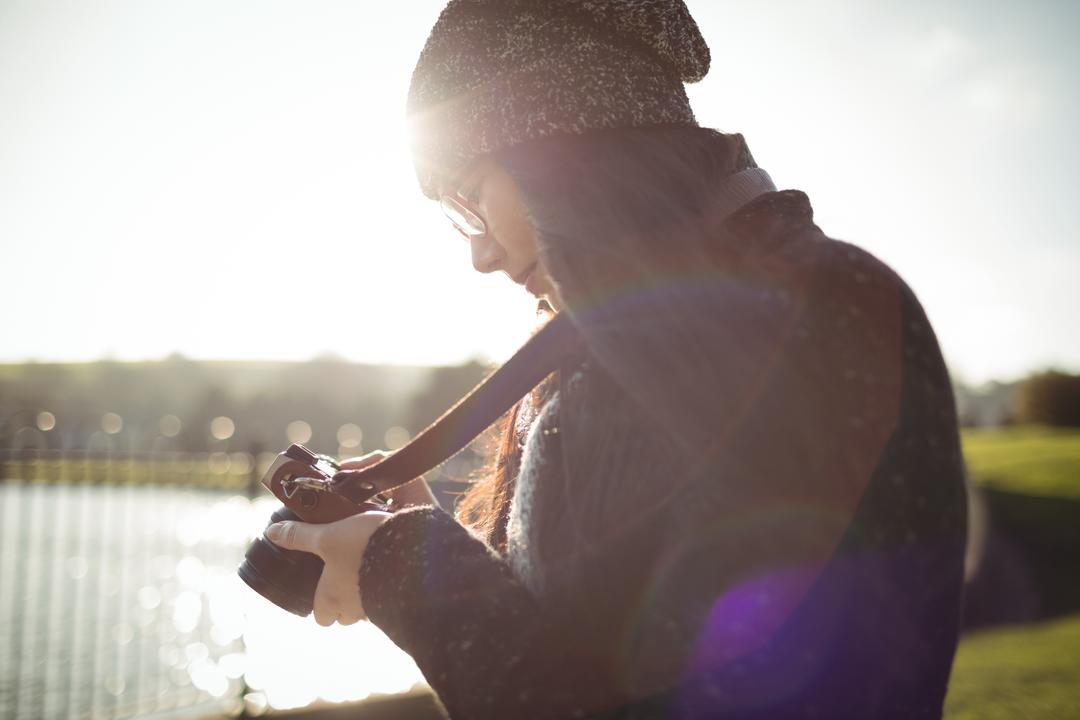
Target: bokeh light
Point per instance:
(350, 435)
(222, 428)
(170, 425)
(219, 463)
(396, 437)
(112, 423)
(241, 463)
(298, 431)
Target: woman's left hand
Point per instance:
(341, 545)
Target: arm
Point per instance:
(485, 645)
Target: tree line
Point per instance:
(194, 406)
(187, 405)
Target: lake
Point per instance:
(123, 601)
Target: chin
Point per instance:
(552, 300)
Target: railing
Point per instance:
(119, 596)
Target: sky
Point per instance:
(231, 180)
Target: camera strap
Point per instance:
(470, 416)
(541, 355)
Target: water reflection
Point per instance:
(131, 605)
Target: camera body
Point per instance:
(303, 481)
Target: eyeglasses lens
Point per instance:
(467, 221)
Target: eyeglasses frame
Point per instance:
(466, 218)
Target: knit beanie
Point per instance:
(496, 73)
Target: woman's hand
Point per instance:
(414, 492)
(341, 545)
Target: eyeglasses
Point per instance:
(467, 220)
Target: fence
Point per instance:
(119, 596)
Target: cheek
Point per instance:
(508, 219)
(518, 239)
(512, 230)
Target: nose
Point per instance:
(487, 255)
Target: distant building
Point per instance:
(989, 405)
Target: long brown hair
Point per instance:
(611, 209)
(485, 506)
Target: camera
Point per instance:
(304, 482)
(313, 490)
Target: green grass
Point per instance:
(1029, 460)
(1030, 671)
(1015, 673)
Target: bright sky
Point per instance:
(231, 180)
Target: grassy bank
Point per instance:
(1028, 460)
(1021, 672)
(1032, 475)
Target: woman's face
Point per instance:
(509, 245)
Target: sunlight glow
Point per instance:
(255, 199)
(292, 661)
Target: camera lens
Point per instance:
(286, 578)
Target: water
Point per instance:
(123, 601)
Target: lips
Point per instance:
(521, 277)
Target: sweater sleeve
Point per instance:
(482, 641)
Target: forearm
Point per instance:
(484, 643)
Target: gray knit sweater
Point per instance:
(520, 533)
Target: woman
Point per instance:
(744, 497)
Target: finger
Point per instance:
(326, 608)
(337, 594)
(293, 535)
(414, 492)
(325, 616)
(349, 618)
(344, 476)
(363, 461)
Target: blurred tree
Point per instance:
(444, 387)
(261, 398)
(1050, 398)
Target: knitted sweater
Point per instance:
(777, 532)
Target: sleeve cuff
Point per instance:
(400, 559)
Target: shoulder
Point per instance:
(841, 297)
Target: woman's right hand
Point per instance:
(415, 492)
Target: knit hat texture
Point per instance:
(496, 73)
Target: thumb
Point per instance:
(293, 535)
(358, 463)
